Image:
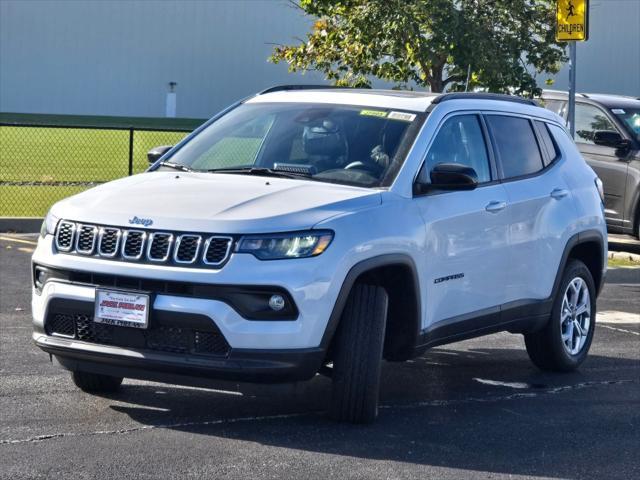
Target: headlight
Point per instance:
(286, 245)
(49, 225)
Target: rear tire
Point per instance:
(94, 383)
(358, 355)
(564, 342)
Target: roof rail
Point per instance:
(281, 88)
(482, 96)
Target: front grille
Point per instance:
(62, 325)
(64, 236)
(216, 250)
(86, 239)
(133, 244)
(109, 241)
(160, 338)
(187, 248)
(207, 342)
(170, 339)
(157, 247)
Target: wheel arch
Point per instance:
(588, 247)
(397, 274)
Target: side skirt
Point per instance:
(523, 316)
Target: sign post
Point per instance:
(572, 89)
(572, 25)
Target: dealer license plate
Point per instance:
(122, 309)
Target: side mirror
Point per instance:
(609, 138)
(449, 176)
(156, 152)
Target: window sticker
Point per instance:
(618, 111)
(373, 113)
(404, 116)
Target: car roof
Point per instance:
(411, 100)
(415, 101)
(606, 99)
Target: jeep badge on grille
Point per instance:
(147, 222)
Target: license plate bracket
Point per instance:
(122, 308)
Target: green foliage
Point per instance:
(429, 43)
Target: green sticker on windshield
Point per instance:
(373, 113)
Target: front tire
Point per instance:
(564, 342)
(94, 383)
(358, 355)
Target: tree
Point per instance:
(433, 43)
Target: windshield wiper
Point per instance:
(177, 166)
(263, 171)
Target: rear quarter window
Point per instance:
(516, 145)
(547, 144)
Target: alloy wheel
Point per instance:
(575, 316)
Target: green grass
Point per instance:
(35, 154)
(619, 262)
(32, 201)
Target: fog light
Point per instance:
(40, 277)
(276, 302)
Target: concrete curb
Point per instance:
(631, 257)
(20, 224)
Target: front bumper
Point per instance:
(273, 351)
(242, 365)
(311, 284)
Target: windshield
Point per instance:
(630, 117)
(339, 144)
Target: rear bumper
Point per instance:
(241, 365)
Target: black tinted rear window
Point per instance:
(516, 144)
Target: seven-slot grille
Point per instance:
(159, 246)
(142, 245)
(187, 248)
(216, 250)
(86, 239)
(133, 244)
(64, 236)
(109, 241)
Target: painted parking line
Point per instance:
(613, 316)
(18, 240)
(622, 330)
(26, 249)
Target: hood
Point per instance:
(219, 203)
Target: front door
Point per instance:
(466, 232)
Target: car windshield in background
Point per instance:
(630, 117)
(338, 144)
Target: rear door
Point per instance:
(540, 206)
(608, 165)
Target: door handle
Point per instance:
(559, 193)
(495, 206)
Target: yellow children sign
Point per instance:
(572, 20)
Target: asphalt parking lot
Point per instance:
(475, 409)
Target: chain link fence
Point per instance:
(41, 164)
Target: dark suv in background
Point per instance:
(608, 136)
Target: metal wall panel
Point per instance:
(117, 57)
(609, 62)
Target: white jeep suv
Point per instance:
(306, 231)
